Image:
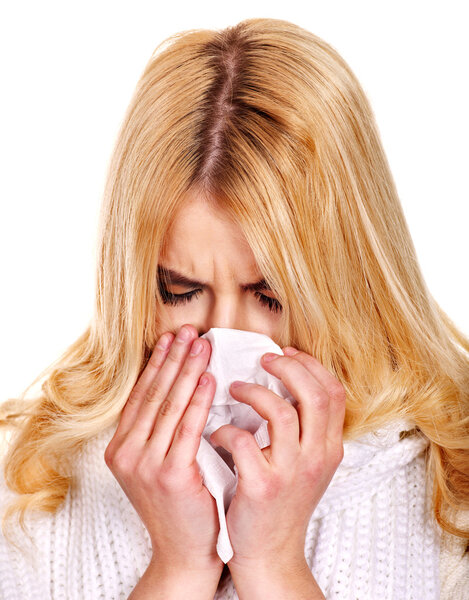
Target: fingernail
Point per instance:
(290, 351)
(237, 383)
(165, 342)
(183, 335)
(197, 347)
(269, 356)
(203, 381)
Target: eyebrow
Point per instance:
(172, 277)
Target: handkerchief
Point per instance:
(235, 354)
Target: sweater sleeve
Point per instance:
(454, 564)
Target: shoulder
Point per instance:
(454, 563)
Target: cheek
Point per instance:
(164, 320)
(263, 319)
(172, 318)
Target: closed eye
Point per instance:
(175, 299)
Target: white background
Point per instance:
(68, 72)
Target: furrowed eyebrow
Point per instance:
(171, 277)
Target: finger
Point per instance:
(282, 420)
(178, 398)
(247, 455)
(135, 399)
(186, 442)
(332, 385)
(312, 398)
(155, 397)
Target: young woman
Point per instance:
(248, 189)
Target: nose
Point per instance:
(226, 311)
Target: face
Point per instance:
(214, 280)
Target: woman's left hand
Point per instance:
(280, 486)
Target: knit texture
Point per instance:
(372, 535)
(454, 562)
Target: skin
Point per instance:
(214, 251)
(152, 453)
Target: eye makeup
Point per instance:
(175, 299)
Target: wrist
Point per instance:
(267, 566)
(170, 582)
(193, 562)
(275, 581)
(162, 581)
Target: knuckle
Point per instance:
(338, 391)
(186, 430)
(169, 479)
(167, 407)
(156, 361)
(108, 456)
(193, 478)
(135, 394)
(174, 357)
(155, 391)
(315, 468)
(242, 440)
(339, 454)
(122, 461)
(286, 414)
(321, 400)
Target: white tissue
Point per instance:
(235, 355)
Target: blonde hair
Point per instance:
(266, 120)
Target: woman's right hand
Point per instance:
(153, 454)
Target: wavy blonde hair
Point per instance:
(268, 122)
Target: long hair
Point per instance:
(268, 122)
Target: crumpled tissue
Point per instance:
(235, 354)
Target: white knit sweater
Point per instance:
(372, 536)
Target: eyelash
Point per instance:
(168, 298)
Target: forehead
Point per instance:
(202, 238)
(198, 216)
